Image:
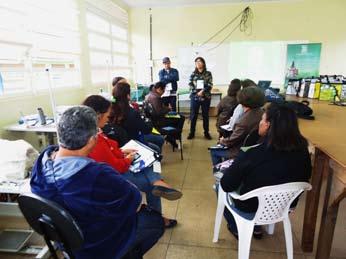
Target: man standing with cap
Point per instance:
(169, 76)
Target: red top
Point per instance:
(107, 151)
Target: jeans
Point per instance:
(219, 155)
(229, 217)
(172, 100)
(155, 139)
(144, 181)
(194, 110)
(150, 227)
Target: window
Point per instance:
(35, 37)
(107, 27)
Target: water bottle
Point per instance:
(41, 116)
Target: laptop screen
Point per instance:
(264, 84)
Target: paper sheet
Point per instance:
(200, 84)
(146, 159)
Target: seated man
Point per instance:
(160, 113)
(101, 201)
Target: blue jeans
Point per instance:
(219, 155)
(155, 139)
(144, 181)
(150, 227)
(194, 110)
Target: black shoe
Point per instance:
(191, 136)
(234, 233)
(171, 223)
(207, 136)
(258, 233)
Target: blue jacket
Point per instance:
(102, 202)
(171, 77)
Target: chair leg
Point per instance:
(245, 230)
(288, 238)
(181, 149)
(219, 213)
(270, 229)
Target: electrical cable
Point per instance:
(223, 28)
(244, 24)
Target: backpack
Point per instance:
(302, 109)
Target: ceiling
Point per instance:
(166, 3)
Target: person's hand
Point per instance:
(128, 151)
(131, 156)
(200, 93)
(222, 140)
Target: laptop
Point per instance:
(263, 84)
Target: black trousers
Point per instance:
(204, 103)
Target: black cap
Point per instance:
(166, 60)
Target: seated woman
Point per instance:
(107, 151)
(251, 99)
(160, 111)
(227, 105)
(130, 120)
(120, 79)
(283, 157)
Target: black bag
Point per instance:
(116, 133)
(302, 109)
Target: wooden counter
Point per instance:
(327, 133)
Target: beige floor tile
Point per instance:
(196, 213)
(199, 176)
(275, 242)
(273, 255)
(195, 252)
(157, 252)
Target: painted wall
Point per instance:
(312, 20)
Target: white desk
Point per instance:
(46, 132)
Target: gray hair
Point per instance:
(76, 126)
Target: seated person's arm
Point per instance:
(234, 174)
(238, 135)
(114, 195)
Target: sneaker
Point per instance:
(191, 136)
(207, 136)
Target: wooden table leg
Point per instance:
(335, 192)
(312, 200)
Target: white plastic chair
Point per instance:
(273, 206)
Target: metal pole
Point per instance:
(151, 46)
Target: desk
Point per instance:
(184, 97)
(48, 132)
(326, 133)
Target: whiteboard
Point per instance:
(217, 62)
(257, 60)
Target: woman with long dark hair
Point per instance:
(130, 119)
(201, 82)
(283, 157)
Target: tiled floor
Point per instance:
(195, 212)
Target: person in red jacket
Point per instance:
(107, 150)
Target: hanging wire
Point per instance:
(244, 25)
(223, 28)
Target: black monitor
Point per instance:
(263, 84)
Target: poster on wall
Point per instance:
(303, 60)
